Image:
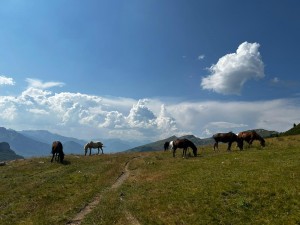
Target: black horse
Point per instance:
(57, 151)
(184, 144)
(226, 138)
(166, 145)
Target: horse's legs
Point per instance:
(229, 146)
(57, 156)
(185, 150)
(174, 149)
(52, 157)
(98, 150)
(250, 142)
(101, 150)
(216, 145)
(240, 144)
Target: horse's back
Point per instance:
(225, 137)
(57, 146)
(95, 144)
(183, 143)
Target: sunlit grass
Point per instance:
(254, 186)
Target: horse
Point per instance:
(249, 137)
(184, 144)
(91, 145)
(168, 145)
(226, 138)
(57, 151)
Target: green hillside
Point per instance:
(293, 131)
(254, 186)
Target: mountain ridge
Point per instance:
(6, 153)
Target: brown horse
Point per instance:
(249, 137)
(91, 145)
(57, 151)
(184, 144)
(226, 138)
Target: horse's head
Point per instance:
(240, 142)
(195, 152)
(262, 142)
(86, 147)
(62, 156)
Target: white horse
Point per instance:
(168, 145)
(171, 145)
(91, 145)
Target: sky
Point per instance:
(147, 70)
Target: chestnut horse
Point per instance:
(226, 138)
(91, 145)
(57, 151)
(249, 137)
(184, 144)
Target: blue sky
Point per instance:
(149, 69)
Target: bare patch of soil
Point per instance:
(89, 207)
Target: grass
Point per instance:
(254, 186)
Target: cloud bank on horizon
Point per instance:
(90, 116)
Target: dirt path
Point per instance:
(89, 207)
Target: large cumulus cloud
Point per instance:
(91, 116)
(233, 70)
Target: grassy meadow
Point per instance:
(254, 186)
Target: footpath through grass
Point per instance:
(35, 191)
(254, 186)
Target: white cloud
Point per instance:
(88, 116)
(200, 57)
(233, 70)
(35, 83)
(275, 80)
(38, 111)
(6, 80)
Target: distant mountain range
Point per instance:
(75, 146)
(23, 145)
(33, 143)
(6, 153)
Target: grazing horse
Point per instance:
(57, 151)
(249, 137)
(226, 138)
(91, 145)
(168, 145)
(184, 144)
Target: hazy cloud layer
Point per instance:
(233, 70)
(90, 116)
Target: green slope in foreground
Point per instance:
(254, 186)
